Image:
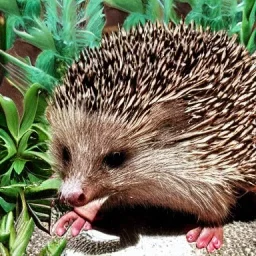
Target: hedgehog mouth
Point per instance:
(90, 210)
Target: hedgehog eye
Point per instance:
(114, 159)
(66, 156)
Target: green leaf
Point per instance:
(19, 165)
(30, 107)
(127, 6)
(251, 45)
(52, 183)
(54, 247)
(9, 144)
(12, 21)
(133, 19)
(7, 233)
(153, 10)
(42, 105)
(40, 208)
(39, 218)
(252, 15)
(11, 115)
(3, 250)
(52, 16)
(6, 178)
(46, 61)
(245, 31)
(41, 173)
(5, 205)
(11, 229)
(47, 202)
(169, 12)
(3, 224)
(248, 6)
(4, 231)
(36, 34)
(24, 216)
(23, 144)
(34, 154)
(33, 178)
(29, 73)
(9, 6)
(215, 14)
(32, 8)
(9, 221)
(93, 31)
(42, 130)
(12, 190)
(68, 22)
(23, 238)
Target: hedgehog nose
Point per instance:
(76, 199)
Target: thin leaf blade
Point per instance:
(31, 99)
(11, 115)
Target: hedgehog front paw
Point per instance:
(209, 238)
(72, 219)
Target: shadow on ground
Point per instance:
(130, 222)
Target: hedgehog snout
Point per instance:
(75, 199)
(71, 192)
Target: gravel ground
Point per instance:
(240, 240)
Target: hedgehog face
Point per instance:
(101, 158)
(88, 152)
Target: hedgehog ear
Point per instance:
(170, 115)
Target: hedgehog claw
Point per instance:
(209, 238)
(72, 219)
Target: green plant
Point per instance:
(23, 139)
(141, 11)
(24, 161)
(38, 198)
(54, 247)
(248, 27)
(14, 237)
(236, 17)
(218, 15)
(60, 29)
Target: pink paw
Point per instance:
(209, 238)
(80, 218)
(71, 218)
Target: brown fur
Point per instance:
(186, 122)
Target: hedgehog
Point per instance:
(161, 115)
